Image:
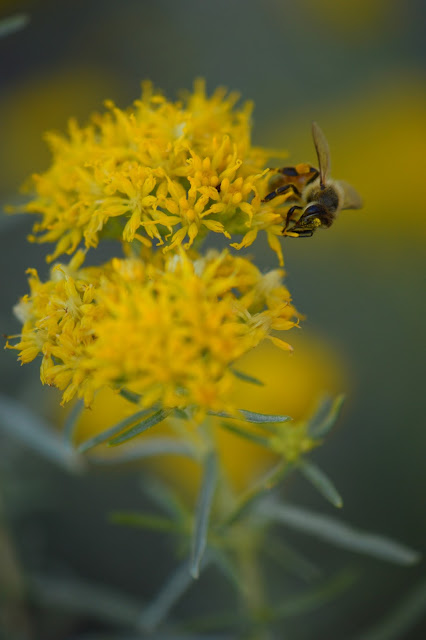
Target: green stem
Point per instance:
(268, 482)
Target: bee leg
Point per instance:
(280, 190)
(316, 212)
(300, 171)
(313, 211)
(304, 233)
(289, 214)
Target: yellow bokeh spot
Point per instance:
(46, 101)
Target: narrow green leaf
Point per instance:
(169, 595)
(227, 568)
(269, 427)
(402, 618)
(338, 533)
(321, 482)
(246, 378)
(180, 413)
(152, 447)
(315, 598)
(253, 437)
(322, 410)
(260, 620)
(165, 498)
(37, 434)
(13, 23)
(105, 435)
(146, 521)
(289, 559)
(202, 513)
(71, 421)
(131, 396)
(81, 597)
(252, 416)
(323, 420)
(257, 493)
(140, 427)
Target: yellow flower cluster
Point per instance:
(165, 326)
(160, 171)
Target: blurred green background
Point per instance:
(358, 68)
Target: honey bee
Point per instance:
(318, 198)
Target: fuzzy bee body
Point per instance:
(318, 198)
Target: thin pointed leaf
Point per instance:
(202, 513)
(246, 378)
(253, 437)
(296, 605)
(80, 597)
(173, 590)
(338, 533)
(71, 421)
(227, 568)
(290, 560)
(140, 427)
(152, 447)
(315, 598)
(324, 419)
(38, 435)
(322, 410)
(257, 493)
(13, 23)
(131, 396)
(164, 497)
(321, 482)
(117, 428)
(146, 521)
(402, 618)
(251, 416)
(180, 413)
(269, 427)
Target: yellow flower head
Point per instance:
(160, 171)
(168, 327)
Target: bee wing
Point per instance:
(323, 152)
(351, 197)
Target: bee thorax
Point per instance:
(328, 197)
